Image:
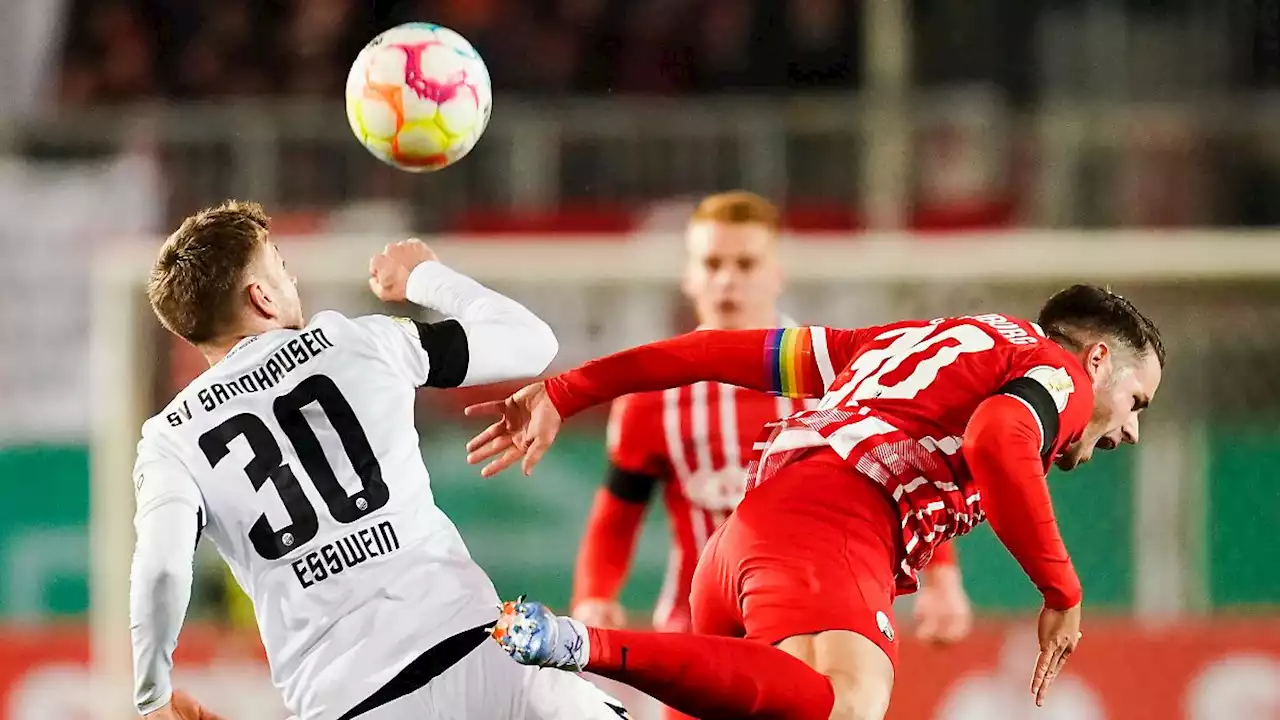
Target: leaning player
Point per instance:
(296, 453)
(691, 444)
(925, 429)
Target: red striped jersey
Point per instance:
(698, 439)
(895, 403)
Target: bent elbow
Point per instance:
(543, 346)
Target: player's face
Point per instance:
(274, 291)
(1121, 392)
(732, 274)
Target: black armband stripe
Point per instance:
(1041, 401)
(447, 352)
(632, 487)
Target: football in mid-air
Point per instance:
(418, 97)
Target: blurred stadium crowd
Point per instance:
(126, 50)
(1168, 131)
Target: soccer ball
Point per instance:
(418, 97)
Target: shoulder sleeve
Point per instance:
(835, 348)
(425, 354)
(635, 434)
(160, 478)
(1056, 390)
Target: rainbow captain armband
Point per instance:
(789, 358)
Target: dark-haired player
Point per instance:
(689, 445)
(925, 429)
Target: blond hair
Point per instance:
(197, 277)
(738, 207)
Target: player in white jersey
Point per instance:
(296, 454)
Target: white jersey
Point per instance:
(299, 457)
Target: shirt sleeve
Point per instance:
(487, 337)
(1057, 392)
(635, 435)
(170, 515)
(792, 362)
(1003, 448)
(613, 526)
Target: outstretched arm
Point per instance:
(794, 362)
(488, 337)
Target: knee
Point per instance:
(859, 698)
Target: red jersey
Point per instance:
(898, 409)
(698, 440)
(896, 402)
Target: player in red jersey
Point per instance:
(692, 443)
(925, 429)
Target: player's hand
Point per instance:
(389, 270)
(527, 425)
(1059, 633)
(183, 707)
(943, 614)
(601, 613)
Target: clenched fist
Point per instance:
(389, 270)
(942, 611)
(600, 613)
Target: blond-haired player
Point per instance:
(296, 454)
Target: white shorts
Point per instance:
(489, 685)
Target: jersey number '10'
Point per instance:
(268, 464)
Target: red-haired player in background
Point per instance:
(925, 429)
(691, 444)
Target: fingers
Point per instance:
(492, 407)
(947, 631)
(1048, 667)
(534, 454)
(490, 449)
(926, 626)
(957, 628)
(1061, 658)
(1051, 673)
(1043, 662)
(487, 435)
(383, 278)
(506, 460)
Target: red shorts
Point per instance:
(812, 549)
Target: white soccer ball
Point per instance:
(418, 97)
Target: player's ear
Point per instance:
(261, 302)
(1097, 359)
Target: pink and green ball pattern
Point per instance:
(418, 97)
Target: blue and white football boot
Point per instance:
(533, 635)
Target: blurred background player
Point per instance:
(692, 443)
